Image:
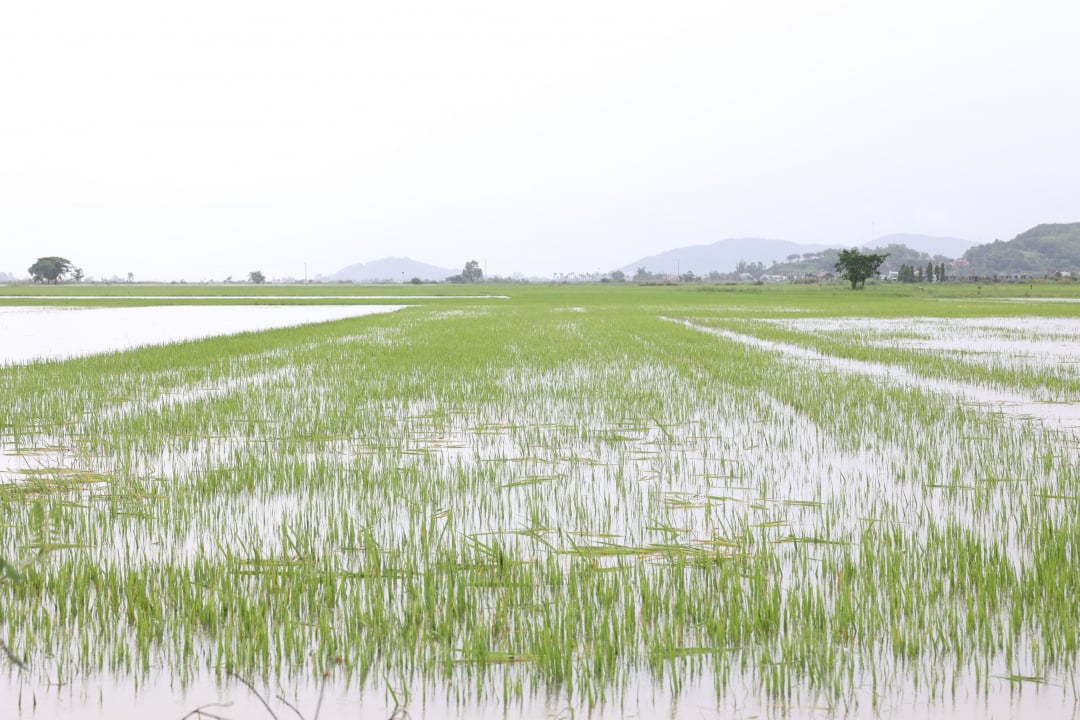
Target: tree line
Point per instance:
(911, 274)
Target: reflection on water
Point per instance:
(104, 699)
(47, 333)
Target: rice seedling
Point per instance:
(573, 498)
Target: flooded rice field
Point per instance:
(49, 333)
(1035, 349)
(592, 508)
(241, 298)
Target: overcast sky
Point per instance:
(201, 139)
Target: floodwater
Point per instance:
(100, 699)
(1000, 401)
(247, 298)
(35, 333)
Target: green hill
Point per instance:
(1042, 250)
(824, 260)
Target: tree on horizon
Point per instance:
(50, 269)
(856, 266)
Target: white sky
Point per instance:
(206, 138)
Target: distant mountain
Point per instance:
(392, 269)
(722, 256)
(950, 247)
(1041, 250)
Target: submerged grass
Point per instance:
(565, 494)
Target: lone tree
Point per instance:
(50, 269)
(255, 277)
(856, 266)
(472, 272)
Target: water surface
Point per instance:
(35, 333)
